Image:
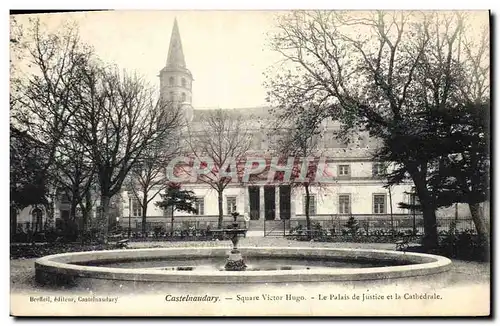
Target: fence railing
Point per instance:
(332, 225)
(337, 226)
(178, 228)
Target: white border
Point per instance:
(195, 4)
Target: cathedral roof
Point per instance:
(248, 113)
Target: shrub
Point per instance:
(159, 231)
(462, 245)
(352, 226)
(297, 230)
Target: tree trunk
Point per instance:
(308, 218)
(430, 240)
(13, 222)
(68, 225)
(49, 208)
(83, 222)
(392, 216)
(221, 216)
(72, 210)
(103, 220)
(481, 228)
(88, 210)
(172, 222)
(144, 214)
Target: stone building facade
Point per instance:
(358, 188)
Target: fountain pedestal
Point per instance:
(235, 260)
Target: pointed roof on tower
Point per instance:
(175, 53)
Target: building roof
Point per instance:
(249, 113)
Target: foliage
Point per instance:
(92, 119)
(27, 175)
(179, 200)
(463, 245)
(147, 177)
(463, 175)
(352, 226)
(45, 83)
(385, 73)
(124, 121)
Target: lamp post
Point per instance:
(413, 202)
(117, 226)
(129, 214)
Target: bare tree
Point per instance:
(45, 80)
(299, 134)
(119, 119)
(147, 178)
(74, 174)
(222, 139)
(374, 71)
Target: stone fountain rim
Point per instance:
(63, 264)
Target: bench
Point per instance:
(402, 244)
(122, 244)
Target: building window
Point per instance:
(183, 97)
(231, 204)
(136, 207)
(379, 206)
(171, 81)
(378, 169)
(183, 81)
(200, 205)
(344, 170)
(171, 96)
(312, 204)
(344, 204)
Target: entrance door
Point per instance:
(253, 195)
(269, 202)
(285, 206)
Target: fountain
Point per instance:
(205, 264)
(235, 260)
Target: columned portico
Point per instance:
(277, 203)
(268, 202)
(262, 203)
(246, 201)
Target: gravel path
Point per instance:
(262, 242)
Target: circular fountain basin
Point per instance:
(266, 265)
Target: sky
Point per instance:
(226, 51)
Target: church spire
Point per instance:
(175, 53)
(176, 80)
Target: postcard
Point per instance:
(250, 163)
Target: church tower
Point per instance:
(175, 79)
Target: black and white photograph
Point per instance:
(250, 163)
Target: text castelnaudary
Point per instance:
(187, 297)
